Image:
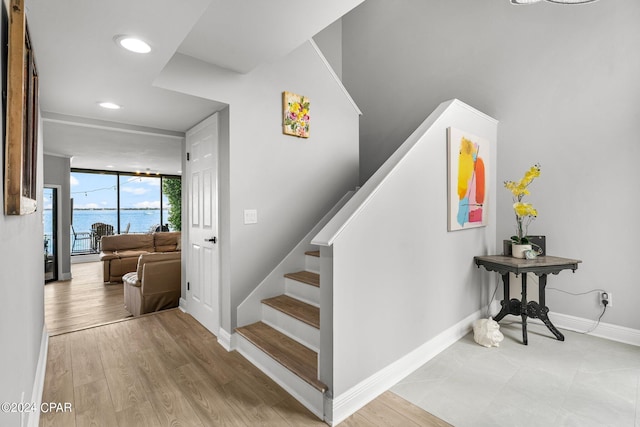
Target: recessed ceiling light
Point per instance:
(133, 44)
(109, 105)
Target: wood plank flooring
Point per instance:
(165, 369)
(83, 301)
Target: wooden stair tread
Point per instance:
(289, 353)
(307, 277)
(313, 253)
(295, 308)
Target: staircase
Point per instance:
(286, 342)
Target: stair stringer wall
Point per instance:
(250, 310)
(399, 279)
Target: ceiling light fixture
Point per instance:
(109, 105)
(133, 44)
(519, 2)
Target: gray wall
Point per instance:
(57, 172)
(329, 41)
(562, 81)
(22, 296)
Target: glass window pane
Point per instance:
(139, 203)
(95, 200)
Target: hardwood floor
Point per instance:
(83, 301)
(165, 369)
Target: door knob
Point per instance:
(213, 239)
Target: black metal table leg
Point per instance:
(505, 301)
(523, 309)
(540, 310)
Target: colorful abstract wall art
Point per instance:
(469, 157)
(296, 115)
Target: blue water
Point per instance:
(141, 220)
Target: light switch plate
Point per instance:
(250, 216)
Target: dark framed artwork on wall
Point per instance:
(21, 116)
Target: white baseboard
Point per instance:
(579, 324)
(65, 276)
(182, 305)
(38, 382)
(359, 395)
(604, 330)
(226, 340)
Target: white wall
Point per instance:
(57, 172)
(290, 181)
(22, 296)
(22, 291)
(562, 81)
(399, 278)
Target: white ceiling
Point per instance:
(79, 65)
(241, 34)
(124, 148)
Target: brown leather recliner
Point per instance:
(155, 285)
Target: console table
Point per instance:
(540, 266)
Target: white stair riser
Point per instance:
(311, 398)
(307, 293)
(312, 263)
(295, 329)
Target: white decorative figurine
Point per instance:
(486, 332)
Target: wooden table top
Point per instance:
(539, 265)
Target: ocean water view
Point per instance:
(140, 220)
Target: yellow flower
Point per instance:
(524, 209)
(295, 107)
(518, 190)
(525, 212)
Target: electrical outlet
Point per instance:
(605, 296)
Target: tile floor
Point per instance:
(584, 381)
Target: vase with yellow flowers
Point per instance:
(525, 212)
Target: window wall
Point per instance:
(94, 199)
(129, 203)
(141, 207)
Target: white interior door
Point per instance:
(203, 258)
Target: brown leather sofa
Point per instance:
(155, 285)
(120, 253)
